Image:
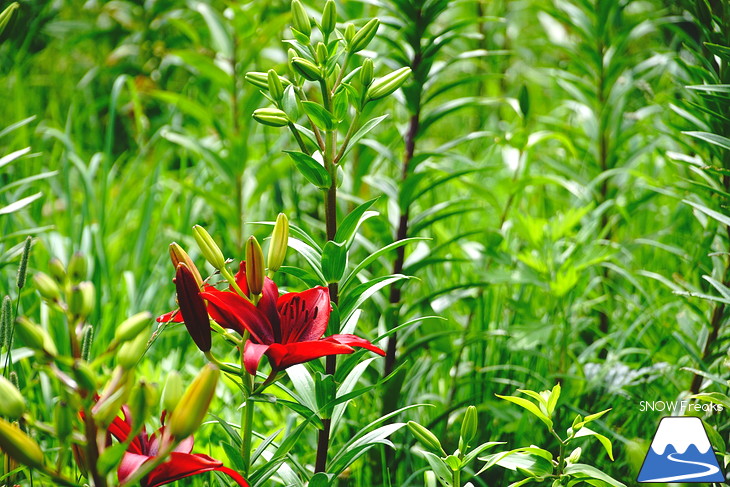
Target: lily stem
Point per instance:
(247, 412)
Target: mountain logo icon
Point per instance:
(680, 452)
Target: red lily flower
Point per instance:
(181, 464)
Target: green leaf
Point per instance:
(222, 41)
(362, 132)
(361, 293)
(530, 406)
(724, 219)
(320, 479)
(319, 115)
(604, 441)
(583, 470)
(718, 140)
(312, 170)
(349, 226)
(334, 261)
(373, 257)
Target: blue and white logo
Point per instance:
(681, 452)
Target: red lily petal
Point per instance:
(241, 279)
(252, 353)
(304, 316)
(131, 462)
(192, 307)
(355, 341)
(121, 428)
(283, 356)
(173, 316)
(185, 446)
(236, 310)
(183, 465)
(267, 303)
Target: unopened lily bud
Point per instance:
(386, 85)
(349, 32)
(192, 307)
(273, 117)
(276, 88)
(279, 243)
(366, 72)
(77, 267)
(208, 247)
(81, 299)
(34, 336)
(329, 17)
(574, 456)
(108, 408)
(130, 352)
(140, 403)
(57, 270)
(46, 286)
(132, 326)
(12, 404)
(300, 19)
(254, 266)
(63, 418)
(23, 266)
(6, 14)
(193, 406)
(363, 37)
(84, 376)
(426, 438)
(258, 79)
(306, 68)
(19, 446)
(173, 391)
(179, 256)
(469, 426)
(321, 52)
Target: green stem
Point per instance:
(232, 281)
(247, 430)
(222, 365)
(457, 478)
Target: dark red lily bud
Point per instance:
(192, 307)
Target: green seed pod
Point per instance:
(57, 270)
(386, 85)
(81, 299)
(279, 243)
(426, 438)
(276, 88)
(468, 427)
(273, 117)
(84, 376)
(254, 266)
(87, 338)
(77, 267)
(173, 391)
(329, 17)
(63, 418)
(130, 352)
(47, 287)
(130, 328)
(208, 247)
(179, 256)
(306, 68)
(321, 51)
(6, 323)
(19, 446)
(575, 455)
(23, 266)
(364, 36)
(300, 20)
(12, 405)
(366, 72)
(193, 406)
(35, 337)
(349, 32)
(258, 79)
(6, 14)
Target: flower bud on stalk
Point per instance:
(366, 72)
(300, 19)
(130, 352)
(23, 266)
(306, 68)
(179, 256)
(321, 52)
(6, 14)
(108, 407)
(47, 287)
(208, 247)
(273, 117)
(12, 404)
(254, 266)
(279, 243)
(468, 427)
(364, 36)
(193, 406)
(19, 446)
(81, 299)
(132, 326)
(34, 336)
(258, 79)
(140, 402)
(77, 267)
(57, 270)
(173, 391)
(349, 32)
(192, 307)
(426, 438)
(276, 89)
(386, 85)
(84, 376)
(329, 17)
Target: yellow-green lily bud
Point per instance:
(77, 267)
(273, 117)
(208, 247)
(279, 243)
(426, 438)
(329, 17)
(81, 299)
(108, 407)
(258, 79)
(84, 376)
(349, 32)
(34, 336)
(321, 52)
(254, 266)
(130, 352)
(193, 406)
(386, 85)
(140, 403)
(276, 88)
(47, 287)
(306, 68)
(366, 72)
(57, 270)
(173, 391)
(19, 446)
(12, 404)
(179, 256)
(130, 328)
(7, 14)
(63, 419)
(300, 19)
(468, 427)
(363, 37)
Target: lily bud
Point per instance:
(193, 406)
(321, 52)
(366, 72)
(254, 266)
(469, 426)
(34, 336)
(6, 14)
(63, 419)
(47, 287)
(329, 17)
(426, 438)
(279, 243)
(306, 68)
(13, 404)
(300, 19)
(130, 352)
(179, 256)
(85, 377)
(132, 326)
(363, 37)
(140, 401)
(57, 270)
(208, 247)
(173, 391)
(77, 267)
(349, 32)
(386, 85)
(276, 89)
(273, 117)
(19, 446)
(108, 408)
(192, 307)
(81, 299)
(258, 79)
